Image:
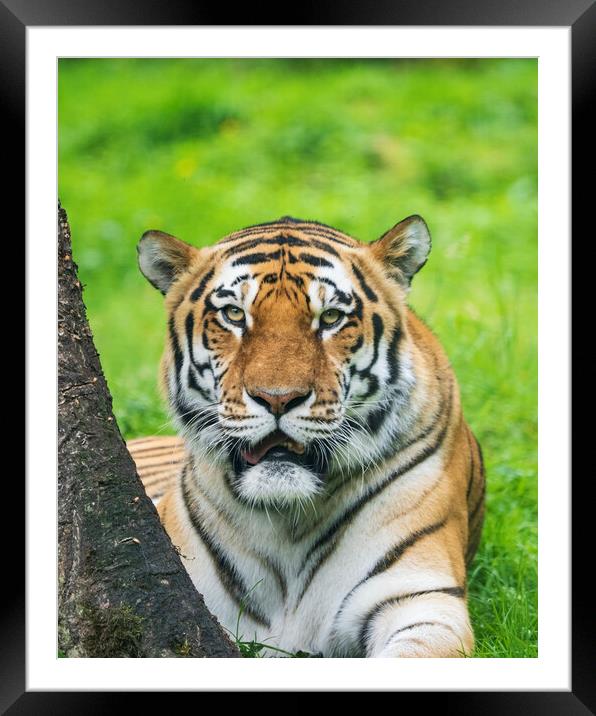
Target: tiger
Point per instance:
(325, 493)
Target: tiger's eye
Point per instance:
(330, 316)
(234, 314)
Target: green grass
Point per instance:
(252, 648)
(200, 148)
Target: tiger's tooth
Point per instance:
(296, 447)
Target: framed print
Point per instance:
(147, 121)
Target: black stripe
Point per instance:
(393, 556)
(480, 455)
(434, 422)
(199, 290)
(443, 410)
(298, 281)
(209, 306)
(318, 244)
(226, 571)
(254, 231)
(477, 529)
(239, 279)
(275, 224)
(370, 294)
(344, 239)
(474, 541)
(189, 324)
(426, 452)
(482, 477)
(357, 345)
(313, 570)
(415, 626)
(163, 468)
(266, 227)
(373, 492)
(310, 228)
(163, 476)
(357, 306)
(142, 441)
(194, 385)
(265, 560)
(378, 329)
(281, 240)
(363, 636)
(279, 577)
(165, 449)
(340, 295)
(376, 418)
(392, 357)
(253, 243)
(165, 479)
(291, 298)
(349, 324)
(225, 517)
(318, 261)
(478, 505)
(204, 337)
(320, 236)
(373, 381)
(265, 296)
(178, 357)
(177, 304)
(222, 292)
(231, 481)
(199, 420)
(397, 552)
(257, 258)
(470, 465)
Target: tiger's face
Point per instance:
(287, 356)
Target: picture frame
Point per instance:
(580, 17)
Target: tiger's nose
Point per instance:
(279, 401)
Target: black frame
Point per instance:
(579, 15)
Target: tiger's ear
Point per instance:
(404, 249)
(163, 258)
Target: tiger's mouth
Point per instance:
(272, 447)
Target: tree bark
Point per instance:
(123, 591)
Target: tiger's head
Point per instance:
(287, 359)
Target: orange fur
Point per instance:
(283, 349)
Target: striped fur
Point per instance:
(159, 460)
(358, 546)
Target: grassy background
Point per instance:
(200, 148)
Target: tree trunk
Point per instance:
(122, 588)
